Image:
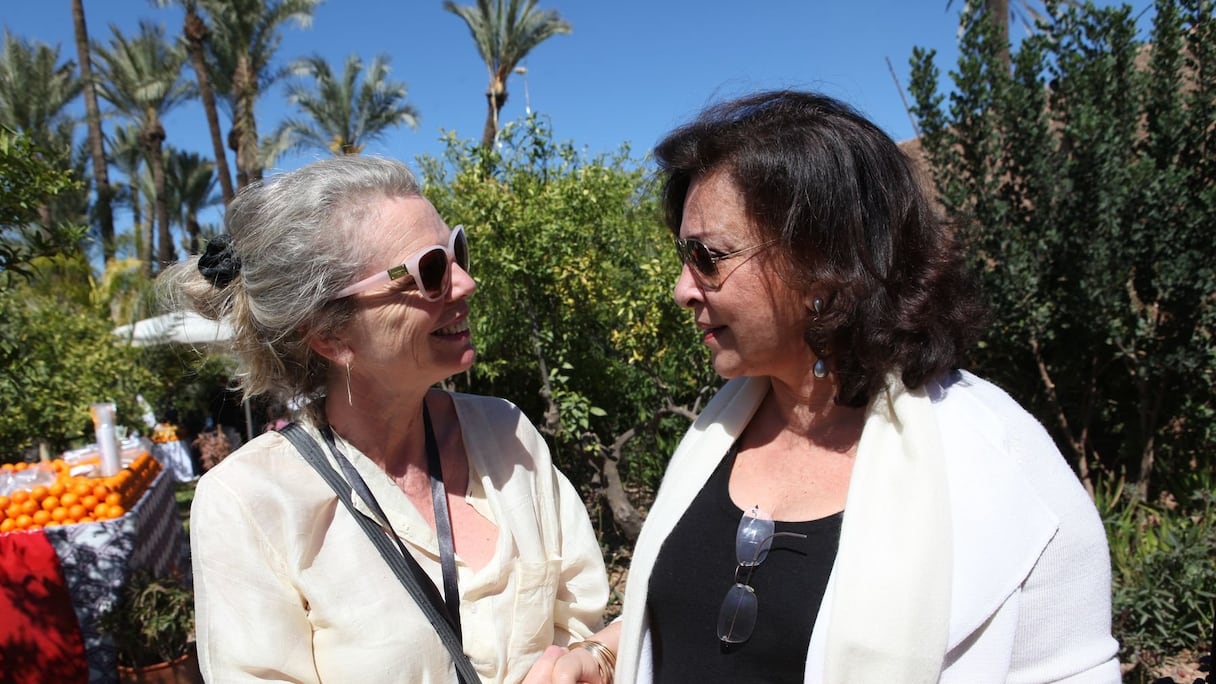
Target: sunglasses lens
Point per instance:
(697, 255)
(433, 269)
(461, 248)
(738, 615)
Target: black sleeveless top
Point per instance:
(696, 567)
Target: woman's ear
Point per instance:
(332, 347)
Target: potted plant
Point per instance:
(152, 625)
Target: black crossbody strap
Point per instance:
(443, 523)
(411, 575)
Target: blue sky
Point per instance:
(630, 71)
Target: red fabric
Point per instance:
(40, 637)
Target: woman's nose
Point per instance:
(686, 290)
(463, 284)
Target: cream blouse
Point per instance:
(288, 587)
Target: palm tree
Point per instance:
(129, 157)
(143, 81)
(97, 150)
(344, 114)
(244, 38)
(190, 183)
(35, 90)
(195, 33)
(504, 36)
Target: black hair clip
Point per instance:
(219, 264)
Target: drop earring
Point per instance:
(349, 399)
(820, 369)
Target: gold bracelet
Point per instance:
(605, 659)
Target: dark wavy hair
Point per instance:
(852, 220)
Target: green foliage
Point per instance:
(1084, 182)
(29, 177)
(1164, 564)
(153, 620)
(55, 360)
(573, 317)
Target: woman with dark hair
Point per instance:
(397, 533)
(850, 507)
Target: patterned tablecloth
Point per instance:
(174, 456)
(90, 564)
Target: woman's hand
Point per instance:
(576, 667)
(542, 669)
(581, 665)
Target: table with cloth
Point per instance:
(55, 584)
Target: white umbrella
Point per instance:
(185, 327)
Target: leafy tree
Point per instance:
(344, 114)
(143, 80)
(55, 361)
(1085, 181)
(244, 37)
(35, 90)
(1029, 13)
(573, 317)
(101, 174)
(505, 31)
(29, 177)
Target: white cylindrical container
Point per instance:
(107, 439)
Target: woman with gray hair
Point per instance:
(455, 536)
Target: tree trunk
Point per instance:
(495, 99)
(101, 175)
(154, 141)
(194, 233)
(248, 161)
(998, 11)
(196, 34)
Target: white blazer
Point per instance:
(1026, 564)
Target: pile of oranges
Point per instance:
(75, 499)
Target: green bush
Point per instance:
(55, 360)
(1163, 560)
